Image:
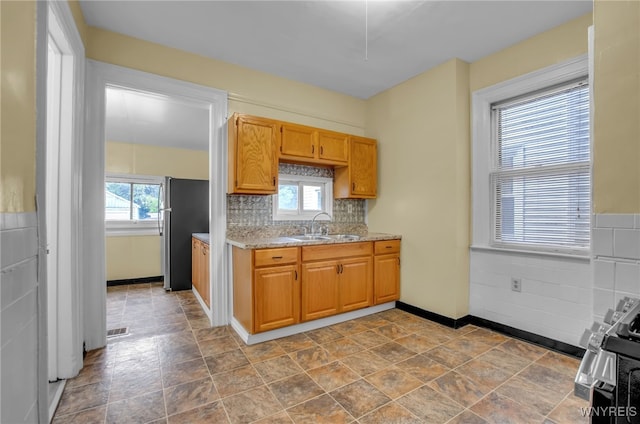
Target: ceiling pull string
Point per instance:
(366, 30)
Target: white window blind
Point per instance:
(541, 173)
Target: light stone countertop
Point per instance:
(287, 241)
(204, 237)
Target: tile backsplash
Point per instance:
(616, 260)
(248, 211)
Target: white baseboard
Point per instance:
(306, 326)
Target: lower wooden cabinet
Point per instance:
(320, 291)
(341, 284)
(278, 287)
(386, 263)
(200, 268)
(266, 289)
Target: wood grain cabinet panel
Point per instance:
(358, 180)
(297, 142)
(276, 297)
(320, 290)
(356, 288)
(333, 147)
(266, 288)
(200, 268)
(308, 145)
(253, 163)
(386, 271)
(336, 278)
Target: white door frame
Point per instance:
(67, 307)
(99, 76)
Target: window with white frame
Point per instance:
(132, 204)
(536, 181)
(302, 197)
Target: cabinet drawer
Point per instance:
(336, 251)
(387, 246)
(270, 257)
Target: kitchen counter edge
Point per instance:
(203, 237)
(284, 241)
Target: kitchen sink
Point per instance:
(310, 237)
(344, 237)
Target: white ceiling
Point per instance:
(359, 48)
(154, 119)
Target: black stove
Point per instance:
(609, 374)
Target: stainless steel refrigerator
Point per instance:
(185, 211)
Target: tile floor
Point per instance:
(391, 367)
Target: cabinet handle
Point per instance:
(353, 186)
(337, 269)
(274, 181)
(313, 149)
(276, 257)
(398, 261)
(341, 268)
(296, 274)
(388, 247)
(321, 150)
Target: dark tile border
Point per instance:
(526, 336)
(142, 280)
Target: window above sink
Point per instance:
(301, 197)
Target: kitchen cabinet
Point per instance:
(358, 180)
(253, 162)
(386, 272)
(200, 268)
(336, 278)
(302, 144)
(266, 289)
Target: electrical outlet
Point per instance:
(516, 284)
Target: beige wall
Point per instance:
(131, 257)
(250, 91)
(141, 159)
(616, 123)
(18, 106)
(545, 49)
(422, 127)
(423, 156)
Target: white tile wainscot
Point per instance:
(19, 309)
(616, 260)
(556, 296)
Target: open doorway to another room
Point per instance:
(134, 158)
(156, 197)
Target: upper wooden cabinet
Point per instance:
(253, 163)
(358, 180)
(256, 145)
(302, 144)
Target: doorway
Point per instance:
(99, 77)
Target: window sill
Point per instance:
(132, 231)
(573, 256)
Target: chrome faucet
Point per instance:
(313, 221)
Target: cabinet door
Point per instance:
(195, 262)
(297, 141)
(363, 167)
(276, 297)
(319, 290)
(356, 283)
(333, 146)
(253, 156)
(359, 179)
(386, 278)
(204, 286)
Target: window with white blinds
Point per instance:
(541, 178)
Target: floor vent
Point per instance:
(116, 332)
